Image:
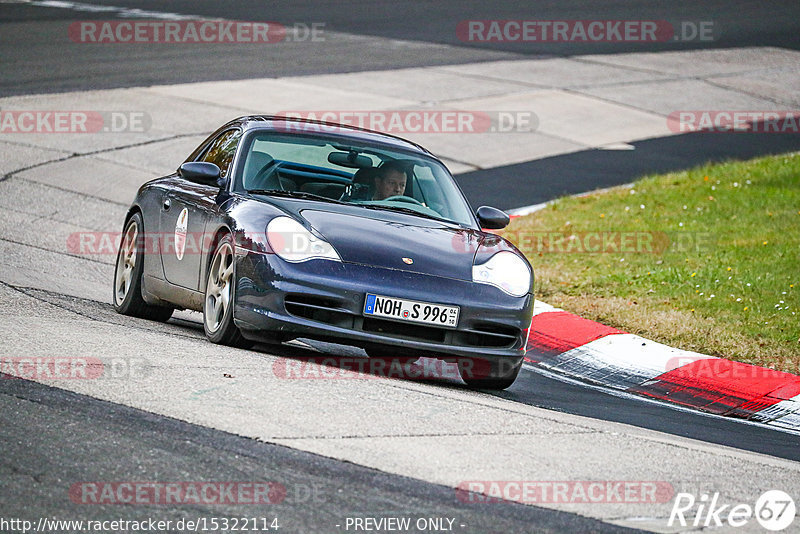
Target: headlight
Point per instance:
(292, 242)
(506, 271)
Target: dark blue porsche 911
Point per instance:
(282, 228)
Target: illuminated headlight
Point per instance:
(292, 242)
(506, 271)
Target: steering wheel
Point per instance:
(266, 171)
(404, 198)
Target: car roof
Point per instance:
(343, 131)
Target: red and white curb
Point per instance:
(567, 344)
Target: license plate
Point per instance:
(412, 311)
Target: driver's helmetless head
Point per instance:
(390, 182)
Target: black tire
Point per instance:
(127, 289)
(220, 283)
(481, 373)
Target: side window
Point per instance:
(222, 150)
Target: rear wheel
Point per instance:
(218, 303)
(128, 275)
(481, 373)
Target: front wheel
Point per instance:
(128, 275)
(482, 373)
(218, 302)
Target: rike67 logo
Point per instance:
(774, 510)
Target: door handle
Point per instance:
(167, 203)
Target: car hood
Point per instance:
(385, 239)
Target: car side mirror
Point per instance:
(492, 218)
(201, 172)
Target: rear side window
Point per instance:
(222, 150)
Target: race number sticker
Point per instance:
(180, 233)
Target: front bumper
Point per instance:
(321, 299)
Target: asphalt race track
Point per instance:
(115, 438)
(342, 449)
(586, 170)
(389, 31)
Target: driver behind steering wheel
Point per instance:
(390, 180)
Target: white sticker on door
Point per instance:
(180, 233)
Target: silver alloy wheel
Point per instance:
(126, 262)
(219, 287)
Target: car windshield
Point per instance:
(328, 168)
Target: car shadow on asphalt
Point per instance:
(546, 179)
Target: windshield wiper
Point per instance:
(311, 196)
(292, 194)
(410, 211)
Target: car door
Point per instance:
(185, 211)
